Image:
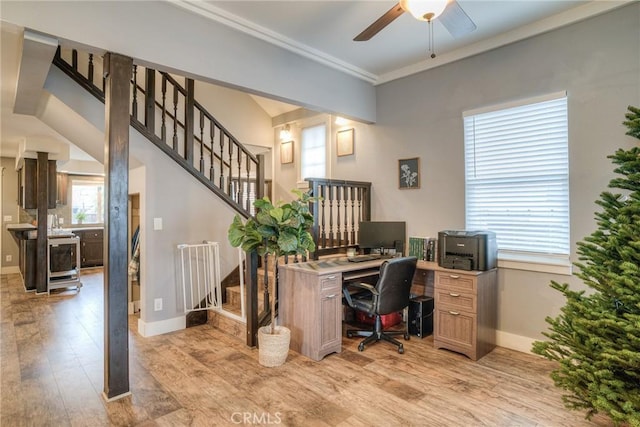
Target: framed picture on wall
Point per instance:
(409, 173)
(286, 152)
(344, 142)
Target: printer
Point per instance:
(467, 250)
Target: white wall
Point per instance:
(597, 62)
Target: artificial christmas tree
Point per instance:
(596, 337)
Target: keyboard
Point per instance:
(363, 258)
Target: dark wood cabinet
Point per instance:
(91, 247)
(27, 261)
(28, 184)
(62, 184)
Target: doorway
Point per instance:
(134, 254)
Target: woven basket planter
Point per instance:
(273, 348)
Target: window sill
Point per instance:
(537, 263)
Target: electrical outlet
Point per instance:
(9, 258)
(8, 218)
(157, 304)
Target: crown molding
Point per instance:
(207, 10)
(216, 14)
(559, 20)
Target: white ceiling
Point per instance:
(324, 31)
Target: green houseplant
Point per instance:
(277, 230)
(81, 216)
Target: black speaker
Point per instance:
(421, 316)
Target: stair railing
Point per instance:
(168, 115)
(342, 206)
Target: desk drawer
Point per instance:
(458, 281)
(331, 282)
(451, 299)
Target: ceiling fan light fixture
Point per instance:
(424, 10)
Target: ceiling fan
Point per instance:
(448, 12)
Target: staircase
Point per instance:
(168, 115)
(232, 304)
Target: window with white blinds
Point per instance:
(517, 174)
(313, 152)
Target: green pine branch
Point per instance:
(596, 337)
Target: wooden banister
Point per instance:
(342, 206)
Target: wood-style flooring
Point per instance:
(52, 375)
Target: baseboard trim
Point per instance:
(162, 326)
(514, 342)
(14, 269)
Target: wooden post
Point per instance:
(150, 101)
(42, 201)
(251, 281)
(260, 182)
(189, 104)
(116, 247)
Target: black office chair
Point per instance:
(390, 294)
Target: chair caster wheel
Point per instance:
(401, 349)
(349, 334)
(361, 347)
(407, 337)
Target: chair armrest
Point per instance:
(365, 286)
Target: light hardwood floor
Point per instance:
(52, 374)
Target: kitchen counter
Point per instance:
(29, 231)
(96, 227)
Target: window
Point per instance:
(313, 152)
(517, 175)
(87, 202)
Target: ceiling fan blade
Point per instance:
(456, 20)
(382, 22)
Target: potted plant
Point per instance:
(81, 216)
(277, 230)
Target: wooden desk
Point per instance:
(310, 302)
(310, 305)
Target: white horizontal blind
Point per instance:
(517, 175)
(313, 152)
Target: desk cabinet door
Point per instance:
(457, 328)
(330, 313)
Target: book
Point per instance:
(417, 247)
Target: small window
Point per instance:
(517, 175)
(87, 202)
(313, 152)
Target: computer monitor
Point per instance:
(382, 235)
